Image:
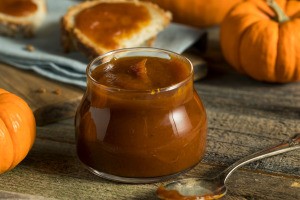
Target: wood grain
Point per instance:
(51, 101)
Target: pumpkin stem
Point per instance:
(281, 16)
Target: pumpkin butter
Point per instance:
(17, 8)
(141, 73)
(105, 23)
(140, 117)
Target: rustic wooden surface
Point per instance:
(244, 116)
(51, 101)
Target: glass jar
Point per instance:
(140, 136)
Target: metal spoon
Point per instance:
(214, 188)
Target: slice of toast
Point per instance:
(74, 38)
(12, 24)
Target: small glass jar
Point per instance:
(140, 136)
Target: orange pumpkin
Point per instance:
(262, 40)
(199, 13)
(17, 130)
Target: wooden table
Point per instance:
(244, 116)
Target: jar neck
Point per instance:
(175, 95)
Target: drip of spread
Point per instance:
(17, 8)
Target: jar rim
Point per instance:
(139, 49)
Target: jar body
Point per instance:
(138, 136)
(141, 142)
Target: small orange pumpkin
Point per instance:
(261, 39)
(17, 130)
(198, 13)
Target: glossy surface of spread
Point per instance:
(17, 8)
(141, 73)
(139, 133)
(105, 23)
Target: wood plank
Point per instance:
(14, 195)
(70, 180)
(40, 93)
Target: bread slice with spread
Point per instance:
(21, 17)
(96, 27)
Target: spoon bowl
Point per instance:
(215, 188)
(191, 188)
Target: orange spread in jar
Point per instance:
(141, 73)
(17, 8)
(105, 23)
(124, 129)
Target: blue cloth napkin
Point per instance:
(49, 60)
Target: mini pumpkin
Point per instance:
(17, 130)
(198, 13)
(261, 39)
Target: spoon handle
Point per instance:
(292, 144)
